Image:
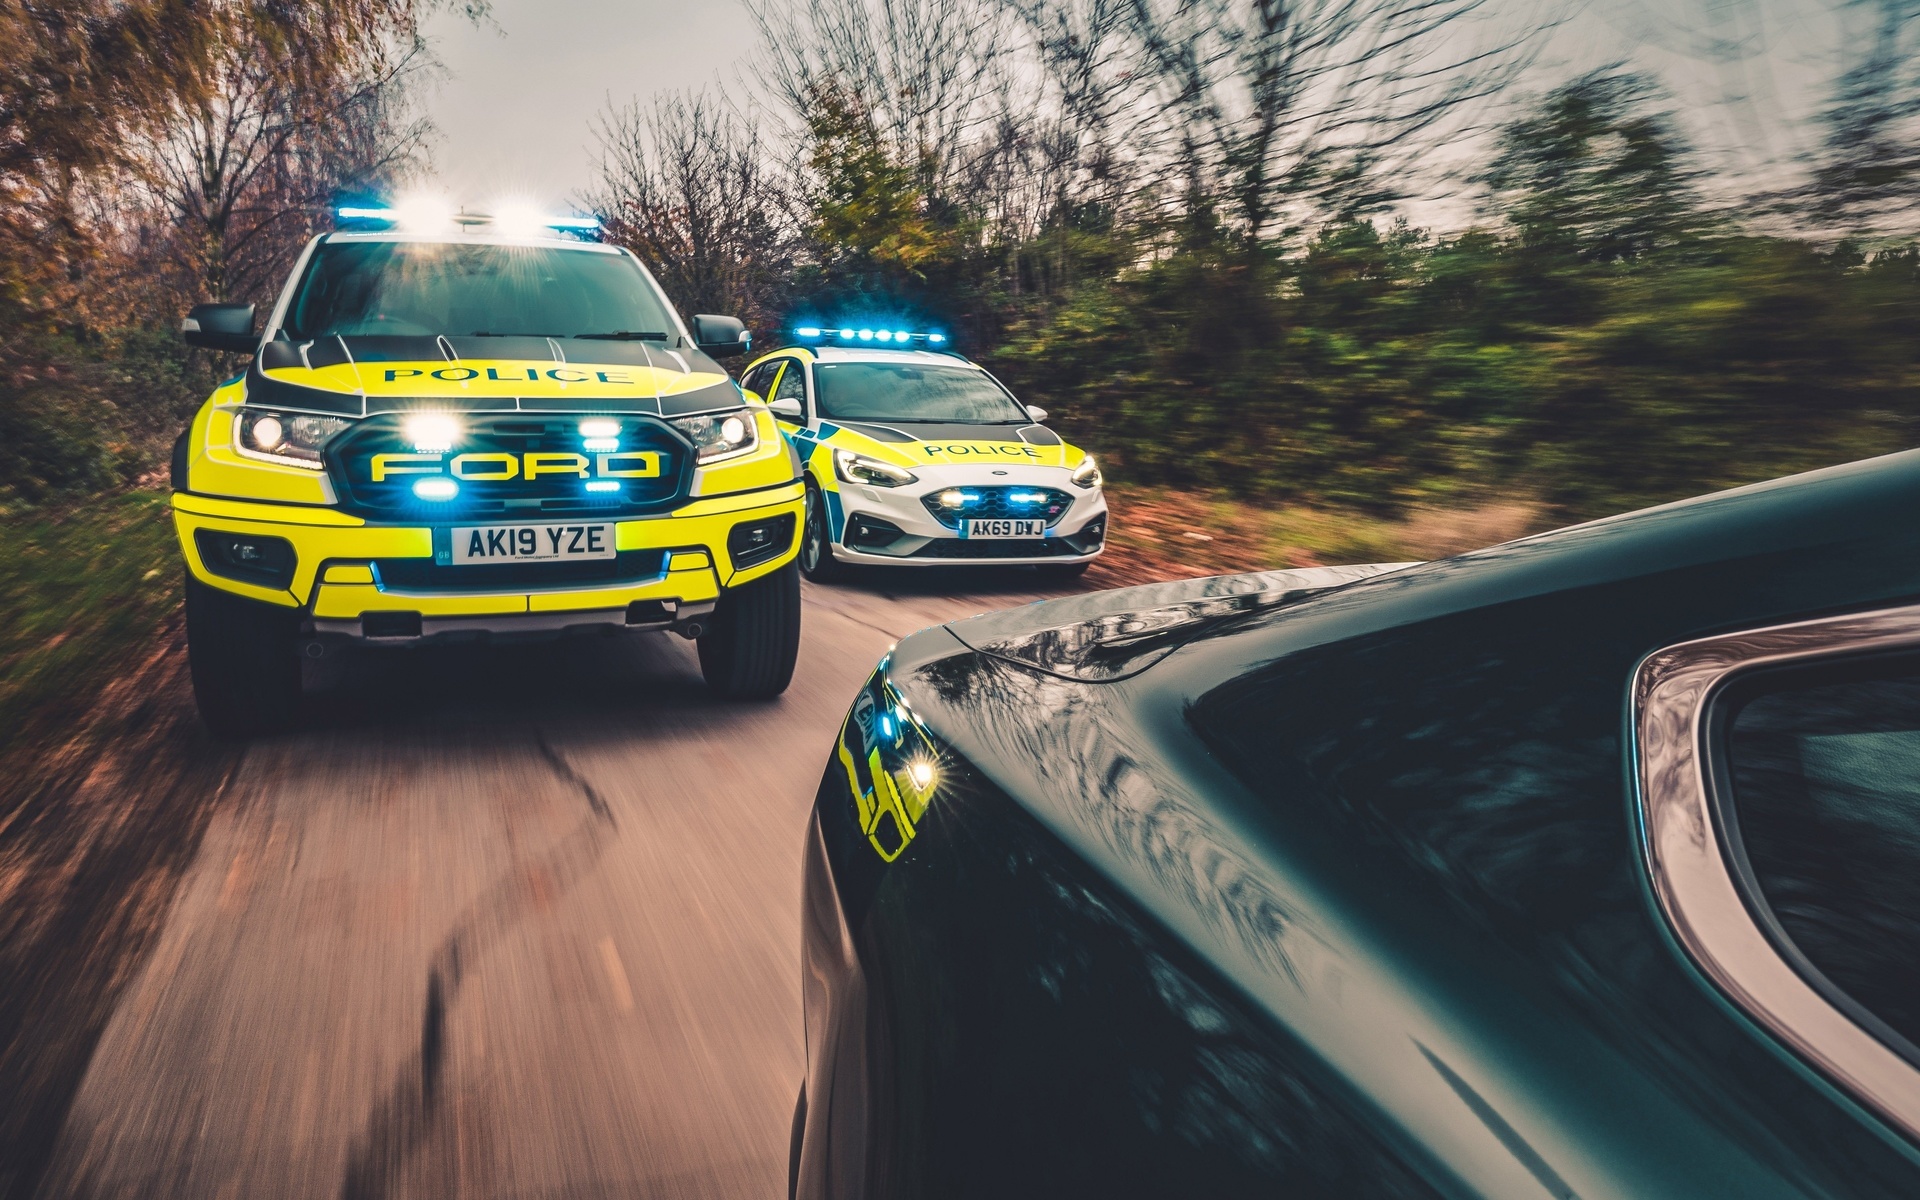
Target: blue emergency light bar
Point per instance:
(867, 335)
(429, 217)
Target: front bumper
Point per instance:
(334, 578)
(1079, 535)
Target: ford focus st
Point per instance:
(1584, 866)
(461, 436)
(917, 457)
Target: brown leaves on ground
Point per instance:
(1158, 535)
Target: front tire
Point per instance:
(749, 651)
(816, 542)
(246, 676)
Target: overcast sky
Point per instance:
(517, 103)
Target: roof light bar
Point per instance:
(885, 337)
(406, 217)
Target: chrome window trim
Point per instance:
(1688, 863)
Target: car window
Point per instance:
(907, 391)
(757, 380)
(463, 290)
(793, 383)
(1825, 773)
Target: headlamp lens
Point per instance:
(853, 468)
(292, 439)
(716, 438)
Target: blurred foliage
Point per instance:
(1599, 340)
(84, 592)
(154, 153)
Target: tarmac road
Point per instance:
(507, 922)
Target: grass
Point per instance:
(84, 593)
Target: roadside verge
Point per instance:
(106, 784)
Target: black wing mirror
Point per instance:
(221, 327)
(721, 337)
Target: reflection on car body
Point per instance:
(1352, 884)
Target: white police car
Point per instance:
(914, 456)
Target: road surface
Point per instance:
(511, 922)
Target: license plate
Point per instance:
(529, 543)
(990, 527)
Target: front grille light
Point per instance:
(432, 433)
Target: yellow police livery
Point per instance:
(456, 432)
(913, 456)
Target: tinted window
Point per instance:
(426, 288)
(1826, 789)
(913, 392)
(756, 380)
(793, 384)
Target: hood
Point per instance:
(918, 444)
(359, 376)
(1101, 637)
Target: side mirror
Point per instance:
(1036, 413)
(721, 337)
(788, 408)
(226, 327)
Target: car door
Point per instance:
(792, 385)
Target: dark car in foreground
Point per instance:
(1586, 865)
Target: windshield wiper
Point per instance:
(624, 335)
(490, 333)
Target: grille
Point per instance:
(490, 463)
(962, 548)
(424, 575)
(997, 502)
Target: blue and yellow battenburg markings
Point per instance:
(892, 766)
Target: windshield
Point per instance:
(465, 290)
(881, 391)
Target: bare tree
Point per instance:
(1249, 108)
(930, 74)
(690, 186)
(246, 171)
(1867, 174)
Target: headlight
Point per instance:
(853, 468)
(724, 435)
(1086, 475)
(294, 439)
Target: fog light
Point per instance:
(436, 489)
(757, 541)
